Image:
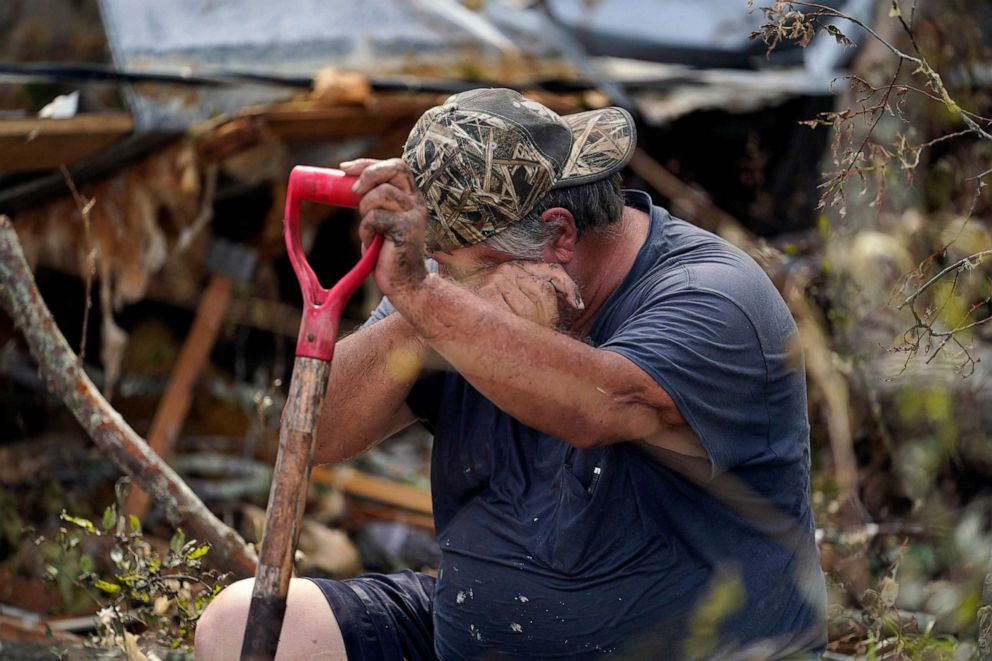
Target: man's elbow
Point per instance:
(591, 441)
(613, 425)
(330, 451)
(588, 432)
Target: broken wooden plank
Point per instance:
(356, 483)
(28, 627)
(172, 409)
(44, 144)
(24, 593)
(360, 513)
(330, 123)
(316, 121)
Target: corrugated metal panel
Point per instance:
(290, 37)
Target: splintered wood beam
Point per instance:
(174, 405)
(43, 144)
(63, 373)
(311, 121)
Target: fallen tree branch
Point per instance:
(63, 374)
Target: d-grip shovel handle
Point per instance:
(322, 307)
(315, 346)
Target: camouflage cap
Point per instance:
(484, 158)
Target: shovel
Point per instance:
(314, 348)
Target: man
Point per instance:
(621, 453)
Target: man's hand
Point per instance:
(540, 292)
(392, 206)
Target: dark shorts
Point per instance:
(384, 617)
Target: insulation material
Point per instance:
(134, 220)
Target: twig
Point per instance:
(85, 207)
(64, 376)
(834, 13)
(980, 176)
(961, 263)
(799, 22)
(906, 28)
(879, 111)
(916, 90)
(923, 66)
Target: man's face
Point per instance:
(465, 262)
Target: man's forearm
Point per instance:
(543, 378)
(371, 376)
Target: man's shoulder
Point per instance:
(708, 261)
(696, 263)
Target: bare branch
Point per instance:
(969, 262)
(834, 13)
(84, 207)
(879, 113)
(65, 377)
(980, 176)
(933, 78)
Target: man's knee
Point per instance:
(309, 629)
(221, 627)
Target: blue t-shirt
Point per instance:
(550, 551)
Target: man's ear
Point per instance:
(562, 247)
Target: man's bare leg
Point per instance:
(309, 630)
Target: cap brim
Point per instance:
(602, 143)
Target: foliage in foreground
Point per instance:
(147, 590)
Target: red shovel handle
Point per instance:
(318, 330)
(322, 307)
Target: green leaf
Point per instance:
(177, 541)
(109, 517)
(135, 523)
(86, 563)
(198, 552)
(52, 571)
(107, 586)
(85, 524)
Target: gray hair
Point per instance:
(594, 206)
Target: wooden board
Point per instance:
(315, 121)
(44, 144)
(363, 485)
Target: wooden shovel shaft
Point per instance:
(318, 332)
(284, 515)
